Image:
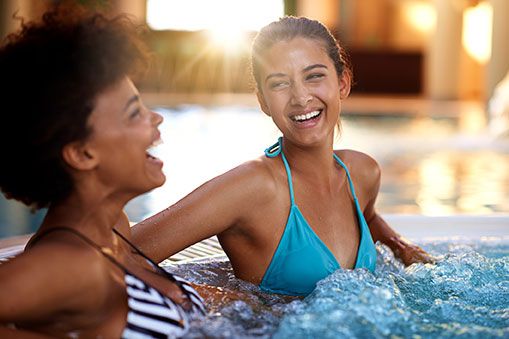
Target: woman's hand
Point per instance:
(409, 253)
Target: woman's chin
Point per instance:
(152, 183)
(163, 180)
(154, 173)
(158, 181)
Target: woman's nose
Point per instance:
(300, 95)
(156, 118)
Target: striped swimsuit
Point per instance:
(151, 314)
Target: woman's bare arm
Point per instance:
(380, 230)
(209, 210)
(408, 253)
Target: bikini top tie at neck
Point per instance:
(274, 150)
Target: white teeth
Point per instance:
(306, 116)
(151, 148)
(155, 144)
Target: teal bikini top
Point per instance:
(301, 258)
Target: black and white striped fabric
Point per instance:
(153, 315)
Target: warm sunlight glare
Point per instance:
(420, 15)
(477, 23)
(229, 39)
(218, 15)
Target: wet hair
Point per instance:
(288, 28)
(52, 71)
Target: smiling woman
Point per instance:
(127, 135)
(302, 211)
(82, 135)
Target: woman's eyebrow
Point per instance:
(310, 67)
(274, 75)
(133, 99)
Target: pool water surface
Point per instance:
(430, 165)
(464, 295)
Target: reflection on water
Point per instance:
(432, 166)
(446, 181)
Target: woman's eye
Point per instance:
(279, 84)
(315, 76)
(135, 113)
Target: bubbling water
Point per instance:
(464, 295)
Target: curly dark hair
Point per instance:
(51, 73)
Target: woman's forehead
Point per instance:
(296, 53)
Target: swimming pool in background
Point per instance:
(431, 164)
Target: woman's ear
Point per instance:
(345, 83)
(263, 104)
(78, 156)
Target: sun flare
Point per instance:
(217, 15)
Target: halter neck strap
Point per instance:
(350, 183)
(277, 149)
(272, 152)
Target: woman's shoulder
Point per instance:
(60, 272)
(257, 176)
(360, 165)
(72, 261)
(357, 158)
(69, 252)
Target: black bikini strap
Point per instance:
(138, 251)
(68, 229)
(156, 266)
(146, 257)
(103, 250)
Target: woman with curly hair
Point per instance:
(74, 138)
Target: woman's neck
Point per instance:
(90, 215)
(315, 161)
